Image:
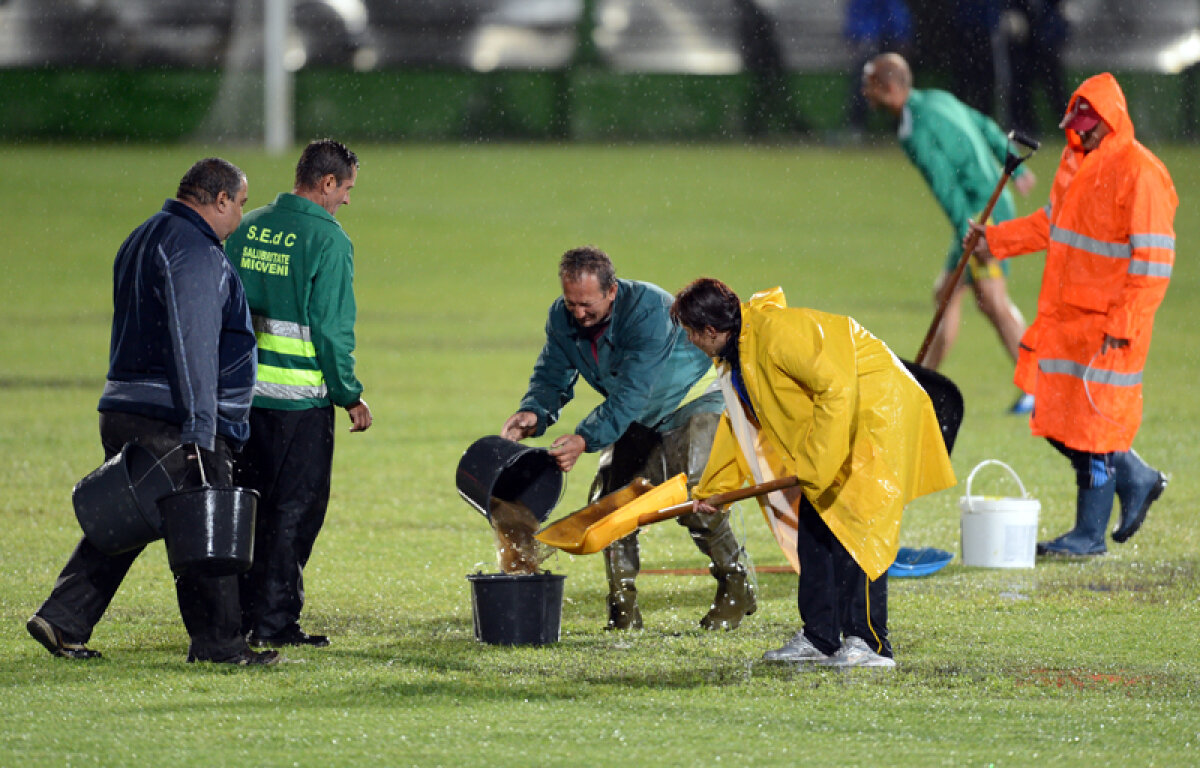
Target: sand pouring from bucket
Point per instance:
(493, 467)
(514, 525)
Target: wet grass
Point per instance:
(1071, 663)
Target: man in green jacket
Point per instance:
(960, 153)
(660, 411)
(297, 265)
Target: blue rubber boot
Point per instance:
(1093, 507)
(1138, 486)
(1022, 406)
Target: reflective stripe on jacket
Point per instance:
(288, 367)
(297, 264)
(1109, 238)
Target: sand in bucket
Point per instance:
(518, 551)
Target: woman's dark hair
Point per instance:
(706, 302)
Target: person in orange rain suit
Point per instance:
(816, 395)
(1109, 238)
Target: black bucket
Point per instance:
(209, 530)
(512, 609)
(493, 466)
(115, 504)
(946, 398)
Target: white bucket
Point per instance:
(999, 531)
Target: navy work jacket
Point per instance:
(182, 347)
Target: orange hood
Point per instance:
(1106, 97)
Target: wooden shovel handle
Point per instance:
(955, 278)
(1011, 162)
(721, 498)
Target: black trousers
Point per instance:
(288, 460)
(835, 597)
(1092, 470)
(90, 579)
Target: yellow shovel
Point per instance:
(594, 527)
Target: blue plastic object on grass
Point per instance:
(911, 561)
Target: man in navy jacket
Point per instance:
(180, 380)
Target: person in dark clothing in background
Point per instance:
(180, 379)
(870, 28)
(768, 100)
(973, 61)
(1036, 31)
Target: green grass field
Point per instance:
(1071, 663)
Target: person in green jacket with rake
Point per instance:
(960, 153)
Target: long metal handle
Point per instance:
(721, 498)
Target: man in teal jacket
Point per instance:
(960, 153)
(297, 265)
(660, 411)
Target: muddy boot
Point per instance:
(622, 563)
(735, 591)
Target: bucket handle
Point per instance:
(983, 464)
(158, 463)
(200, 464)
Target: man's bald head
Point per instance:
(889, 68)
(887, 81)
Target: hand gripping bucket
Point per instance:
(209, 530)
(517, 609)
(507, 470)
(115, 504)
(999, 531)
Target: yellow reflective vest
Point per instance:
(837, 409)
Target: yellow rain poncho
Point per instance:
(837, 409)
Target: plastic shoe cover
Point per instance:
(856, 653)
(798, 649)
(1022, 406)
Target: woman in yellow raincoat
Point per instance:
(815, 395)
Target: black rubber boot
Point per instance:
(735, 591)
(1093, 507)
(1138, 486)
(622, 562)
